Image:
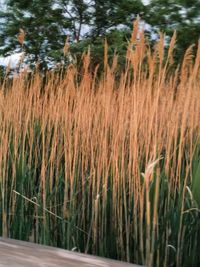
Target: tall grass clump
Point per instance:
(104, 165)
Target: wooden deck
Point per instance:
(14, 253)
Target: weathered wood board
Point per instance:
(14, 253)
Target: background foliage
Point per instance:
(47, 23)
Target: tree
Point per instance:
(44, 25)
(77, 12)
(111, 20)
(114, 14)
(180, 15)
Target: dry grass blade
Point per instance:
(21, 36)
(66, 47)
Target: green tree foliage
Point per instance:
(112, 14)
(44, 25)
(87, 23)
(77, 12)
(110, 20)
(180, 15)
(47, 23)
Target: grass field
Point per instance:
(104, 165)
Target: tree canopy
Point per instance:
(180, 15)
(46, 24)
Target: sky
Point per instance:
(12, 61)
(145, 2)
(2, 3)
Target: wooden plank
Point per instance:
(14, 253)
